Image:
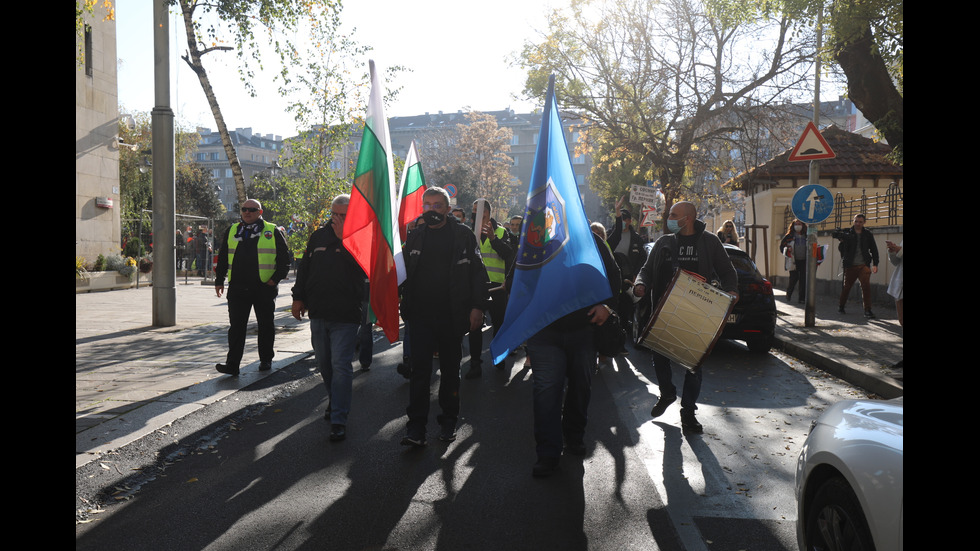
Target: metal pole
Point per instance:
(164, 225)
(809, 316)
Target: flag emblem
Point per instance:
(546, 229)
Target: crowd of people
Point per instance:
(456, 277)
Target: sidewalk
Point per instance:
(132, 379)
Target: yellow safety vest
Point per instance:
(266, 249)
(496, 269)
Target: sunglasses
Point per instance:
(249, 209)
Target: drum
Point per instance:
(688, 320)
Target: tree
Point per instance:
(210, 24)
(660, 78)
(862, 38)
(483, 148)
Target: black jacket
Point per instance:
(636, 254)
(246, 268)
(468, 281)
(329, 281)
(851, 242)
(713, 263)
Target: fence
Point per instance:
(879, 210)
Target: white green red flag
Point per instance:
(371, 226)
(412, 189)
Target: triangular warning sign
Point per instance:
(811, 146)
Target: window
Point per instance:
(88, 50)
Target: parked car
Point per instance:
(849, 489)
(753, 319)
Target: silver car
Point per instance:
(849, 478)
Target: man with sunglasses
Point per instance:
(255, 257)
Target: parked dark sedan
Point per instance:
(753, 319)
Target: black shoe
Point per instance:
(447, 434)
(414, 441)
(475, 372)
(661, 406)
(840, 310)
(801, 301)
(789, 297)
(404, 370)
(227, 369)
(265, 366)
(576, 449)
(869, 314)
(366, 366)
(501, 366)
(690, 424)
(337, 433)
(546, 466)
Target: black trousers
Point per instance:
(241, 302)
(498, 308)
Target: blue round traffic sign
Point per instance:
(451, 190)
(813, 203)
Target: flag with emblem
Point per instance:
(371, 227)
(558, 269)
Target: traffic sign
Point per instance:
(812, 203)
(811, 146)
(451, 190)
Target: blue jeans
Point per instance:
(692, 383)
(333, 343)
(428, 337)
(560, 414)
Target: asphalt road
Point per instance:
(256, 471)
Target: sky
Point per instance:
(459, 58)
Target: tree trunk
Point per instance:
(870, 85)
(193, 59)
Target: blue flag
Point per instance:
(558, 268)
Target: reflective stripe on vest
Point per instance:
(496, 270)
(266, 249)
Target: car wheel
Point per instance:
(835, 521)
(759, 345)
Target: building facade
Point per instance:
(256, 152)
(97, 227)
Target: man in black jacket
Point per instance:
(330, 286)
(627, 248)
(444, 295)
(859, 256)
(688, 247)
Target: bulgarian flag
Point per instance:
(412, 189)
(371, 226)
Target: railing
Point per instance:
(879, 210)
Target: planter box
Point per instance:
(106, 281)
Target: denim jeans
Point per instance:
(333, 343)
(692, 383)
(560, 415)
(428, 337)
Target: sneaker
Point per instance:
(546, 466)
(690, 424)
(869, 314)
(227, 369)
(414, 441)
(661, 406)
(447, 434)
(337, 433)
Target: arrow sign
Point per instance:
(811, 146)
(812, 203)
